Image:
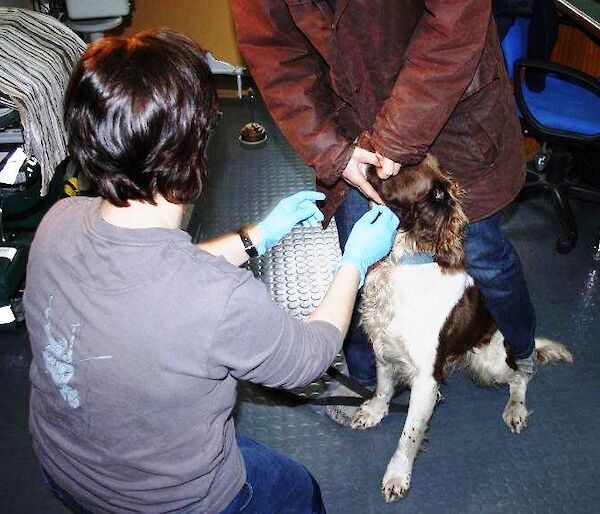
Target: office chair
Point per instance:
(560, 109)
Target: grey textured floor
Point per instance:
(472, 464)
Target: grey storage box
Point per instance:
(85, 9)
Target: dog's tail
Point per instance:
(551, 352)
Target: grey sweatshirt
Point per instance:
(138, 340)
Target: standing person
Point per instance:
(354, 83)
(138, 336)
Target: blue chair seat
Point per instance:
(565, 105)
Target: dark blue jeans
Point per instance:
(274, 484)
(493, 263)
(66, 499)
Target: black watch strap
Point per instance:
(247, 242)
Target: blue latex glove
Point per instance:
(297, 208)
(371, 239)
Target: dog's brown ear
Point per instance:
(450, 254)
(450, 251)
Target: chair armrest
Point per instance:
(559, 69)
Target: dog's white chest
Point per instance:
(423, 297)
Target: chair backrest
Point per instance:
(514, 44)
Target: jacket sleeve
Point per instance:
(260, 342)
(292, 80)
(440, 63)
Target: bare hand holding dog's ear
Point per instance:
(355, 172)
(386, 168)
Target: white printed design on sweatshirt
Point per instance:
(58, 357)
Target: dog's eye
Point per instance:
(438, 194)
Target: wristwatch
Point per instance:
(247, 242)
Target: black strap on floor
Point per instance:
(352, 401)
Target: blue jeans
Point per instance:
(357, 348)
(274, 484)
(66, 499)
(493, 263)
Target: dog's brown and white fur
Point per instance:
(423, 319)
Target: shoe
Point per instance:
(528, 365)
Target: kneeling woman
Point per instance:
(139, 337)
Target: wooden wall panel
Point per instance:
(208, 22)
(576, 48)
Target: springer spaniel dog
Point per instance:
(424, 319)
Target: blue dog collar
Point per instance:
(417, 258)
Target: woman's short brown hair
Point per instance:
(138, 113)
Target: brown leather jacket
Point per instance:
(417, 76)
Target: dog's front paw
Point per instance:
(515, 416)
(394, 487)
(368, 415)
